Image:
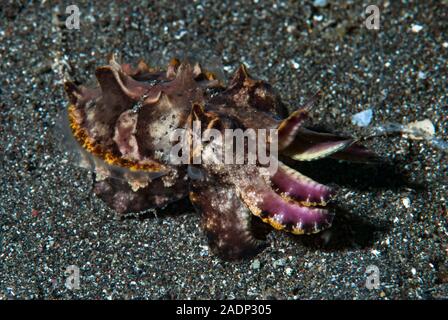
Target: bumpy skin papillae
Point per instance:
(127, 121)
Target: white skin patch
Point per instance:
(99, 130)
(260, 92)
(160, 130)
(124, 135)
(170, 179)
(137, 182)
(101, 170)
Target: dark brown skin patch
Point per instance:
(255, 94)
(118, 195)
(226, 221)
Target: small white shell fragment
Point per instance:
(363, 118)
(421, 75)
(416, 28)
(419, 130)
(295, 64)
(256, 264)
(406, 202)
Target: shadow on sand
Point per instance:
(349, 231)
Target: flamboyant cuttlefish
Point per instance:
(124, 127)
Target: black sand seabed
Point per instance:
(50, 219)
